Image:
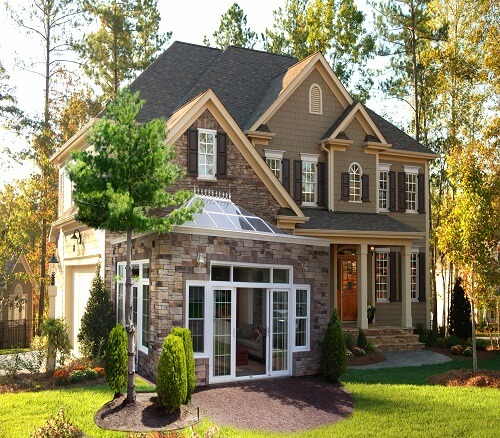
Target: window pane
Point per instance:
(145, 316)
(301, 303)
(308, 181)
(196, 315)
(300, 332)
(280, 275)
(221, 273)
(251, 275)
(145, 270)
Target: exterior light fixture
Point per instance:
(200, 259)
(76, 238)
(53, 262)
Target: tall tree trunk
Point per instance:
(415, 72)
(129, 323)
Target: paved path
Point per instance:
(406, 359)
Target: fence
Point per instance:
(17, 333)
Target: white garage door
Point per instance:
(82, 277)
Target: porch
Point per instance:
(386, 338)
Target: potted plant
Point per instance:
(370, 312)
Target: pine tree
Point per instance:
(460, 323)
(333, 360)
(98, 319)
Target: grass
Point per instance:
(394, 402)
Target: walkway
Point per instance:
(406, 359)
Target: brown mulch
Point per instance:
(481, 354)
(286, 404)
(483, 378)
(369, 358)
(142, 416)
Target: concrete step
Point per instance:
(389, 338)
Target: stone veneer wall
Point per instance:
(173, 262)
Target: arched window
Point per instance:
(315, 99)
(355, 173)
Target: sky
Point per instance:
(189, 20)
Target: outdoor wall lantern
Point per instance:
(53, 262)
(77, 236)
(200, 259)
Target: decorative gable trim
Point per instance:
(315, 61)
(181, 120)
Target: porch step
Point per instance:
(387, 338)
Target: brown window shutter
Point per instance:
(421, 277)
(192, 156)
(344, 184)
(365, 188)
(221, 155)
(285, 173)
(392, 191)
(297, 181)
(401, 192)
(421, 192)
(393, 296)
(321, 184)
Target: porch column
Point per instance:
(406, 320)
(362, 286)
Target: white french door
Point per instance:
(279, 338)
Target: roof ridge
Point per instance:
(261, 51)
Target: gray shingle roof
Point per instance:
(320, 219)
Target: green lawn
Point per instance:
(390, 402)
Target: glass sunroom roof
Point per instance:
(221, 213)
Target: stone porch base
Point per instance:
(386, 338)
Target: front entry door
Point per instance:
(349, 288)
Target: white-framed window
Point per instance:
(207, 149)
(302, 316)
(414, 275)
(140, 299)
(274, 160)
(411, 175)
(309, 179)
(196, 314)
(382, 275)
(383, 187)
(315, 99)
(355, 173)
(65, 191)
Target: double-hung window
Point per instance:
(302, 315)
(274, 160)
(207, 148)
(382, 275)
(196, 316)
(355, 173)
(383, 188)
(411, 174)
(140, 299)
(309, 179)
(414, 275)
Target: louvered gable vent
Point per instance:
(315, 104)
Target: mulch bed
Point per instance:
(285, 405)
(142, 416)
(369, 358)
(482, 378)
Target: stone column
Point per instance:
(406, 320)
(362, 286)
(52, 292)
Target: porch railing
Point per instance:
(17, 333)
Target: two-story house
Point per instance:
(311, 202)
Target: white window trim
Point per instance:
(311, 158)
(307, 288)
(206, 343)
(139, 285)
(320, 112)
(382, 300)
(208, 177)
(384, 167)
(415, 300)
(273, 153)
(360, 183)
(412, 170)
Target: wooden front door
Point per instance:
(348, 273)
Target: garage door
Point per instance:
(82, 278)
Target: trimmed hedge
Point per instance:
(185, 335)
(116, 359)
(171, 382)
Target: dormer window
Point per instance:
(315, 99)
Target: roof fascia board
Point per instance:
(210, 101)
(328, 75)
(403, 155)
(369, 237)
(77, 141)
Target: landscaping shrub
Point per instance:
(58, 343)
(468, 352)
(370, 346)
(185, 335)
(456, 349)
(349, 340)
(333, 360)
(57, 427)
(171, 382)
(430, 339)
(422, 335)
(452, 340)
(440, 342)
(116, 359)
(358, 351)
(361, 341)
(460, 312)
(481, 344)
(98, 319)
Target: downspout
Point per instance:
(329, 176)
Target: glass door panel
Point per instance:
(222, 348)
(279, 320)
